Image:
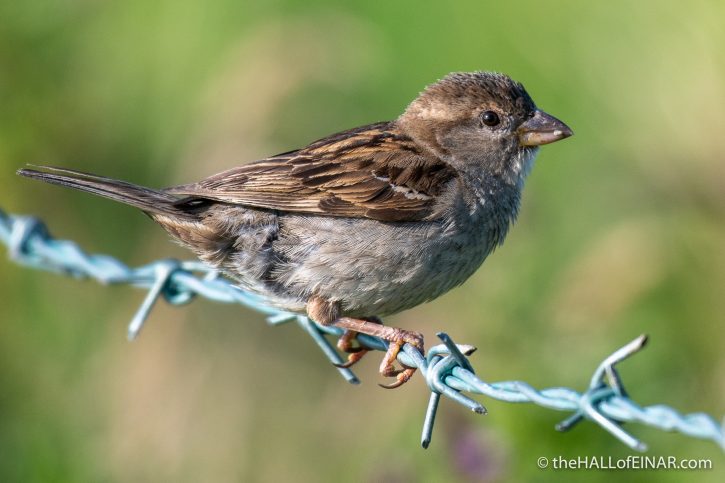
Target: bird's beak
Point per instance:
(542, 129)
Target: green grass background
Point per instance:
(621, 232)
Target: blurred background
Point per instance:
(621, 232)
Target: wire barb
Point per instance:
(446, 367)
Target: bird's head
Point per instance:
(481, 122)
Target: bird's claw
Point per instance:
(352, 358)
(401, 378)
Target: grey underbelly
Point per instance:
(368, 267)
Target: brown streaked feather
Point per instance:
(372, 171)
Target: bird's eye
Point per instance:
(490, 118)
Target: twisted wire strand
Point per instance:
(446, 368)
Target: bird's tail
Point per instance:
(149, 200)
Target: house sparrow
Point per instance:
(366, 222)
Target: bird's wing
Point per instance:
(369, 172)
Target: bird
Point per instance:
(367, 222)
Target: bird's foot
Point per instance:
(395, 337)
(387, 367)
(349, 344)
(355, 352)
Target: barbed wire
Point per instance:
(446, 369)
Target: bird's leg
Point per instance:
(327, 313)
